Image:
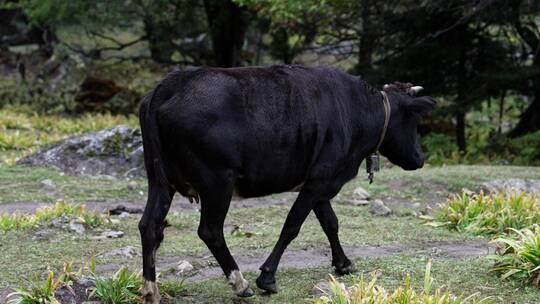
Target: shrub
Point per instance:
(493, 214)
(363, 291)
(123, 287)
(61, 208)
(37, 294)
(519, 255)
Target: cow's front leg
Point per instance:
(214, 207)
(329, 223)
(296, 217)
(151, 227)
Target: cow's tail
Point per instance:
(153, 154)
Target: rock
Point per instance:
(60, 222)
(132, 185)
(43, 234)
(128, 252)
(512, 184)
(77, 293)
(110, 234)
(184, 266)
(322, 288)
(123, 215)
(360, 194)
(47, 183)
(377, 207)
(76, 227)
(116, 151)
(121, 208)
(359, 202)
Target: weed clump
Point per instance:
(123, 287)
(363, 291)
(519, 255)
(493, 214)
(45, 214)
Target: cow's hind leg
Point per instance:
(329, 223)
(151, 227)
(215, 201)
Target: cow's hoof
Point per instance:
(267, 282)
(345, 268)
(150, 293)
(246, 293)
(239, 284)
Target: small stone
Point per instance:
(359, 202)
(114, 221)
(512, 184)
(322, 288)
(379, 208)
(123, 215)
(47, 183)
(132, 185)
(42, 235)
(128, 252)
(184, 266)
(111, 234)
(76, 227)
(60, 222)
(360, 194)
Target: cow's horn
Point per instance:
(415, 90)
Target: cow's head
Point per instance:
(401, 144)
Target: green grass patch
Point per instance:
(367, 291)
(519, 255)
(45, 214)
(37, 293)
(121, 288)
(24, 184)
(491, 214)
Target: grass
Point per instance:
(37, 294)
(23, 132)
(122, 288)
(489, 215)
(363, 291)
(262, 224)
(519, 255)
(24, 184)
(462, 277)
(45, 214)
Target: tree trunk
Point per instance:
(529, 120)
(228, 25)
(460, 130)
(367, 40)
(159, 40)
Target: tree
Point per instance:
(521, 17)
(448, 47)
(228, 23)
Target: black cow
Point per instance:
(256, 131)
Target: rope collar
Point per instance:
(372, 161)
(387, 111)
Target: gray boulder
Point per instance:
(378, 208)
(512, 184)
(117, 151)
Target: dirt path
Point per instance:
(301, 259)
(179, 204)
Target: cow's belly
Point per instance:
(267, 179)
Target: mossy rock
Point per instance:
(116, 151)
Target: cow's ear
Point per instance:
(422, 105)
